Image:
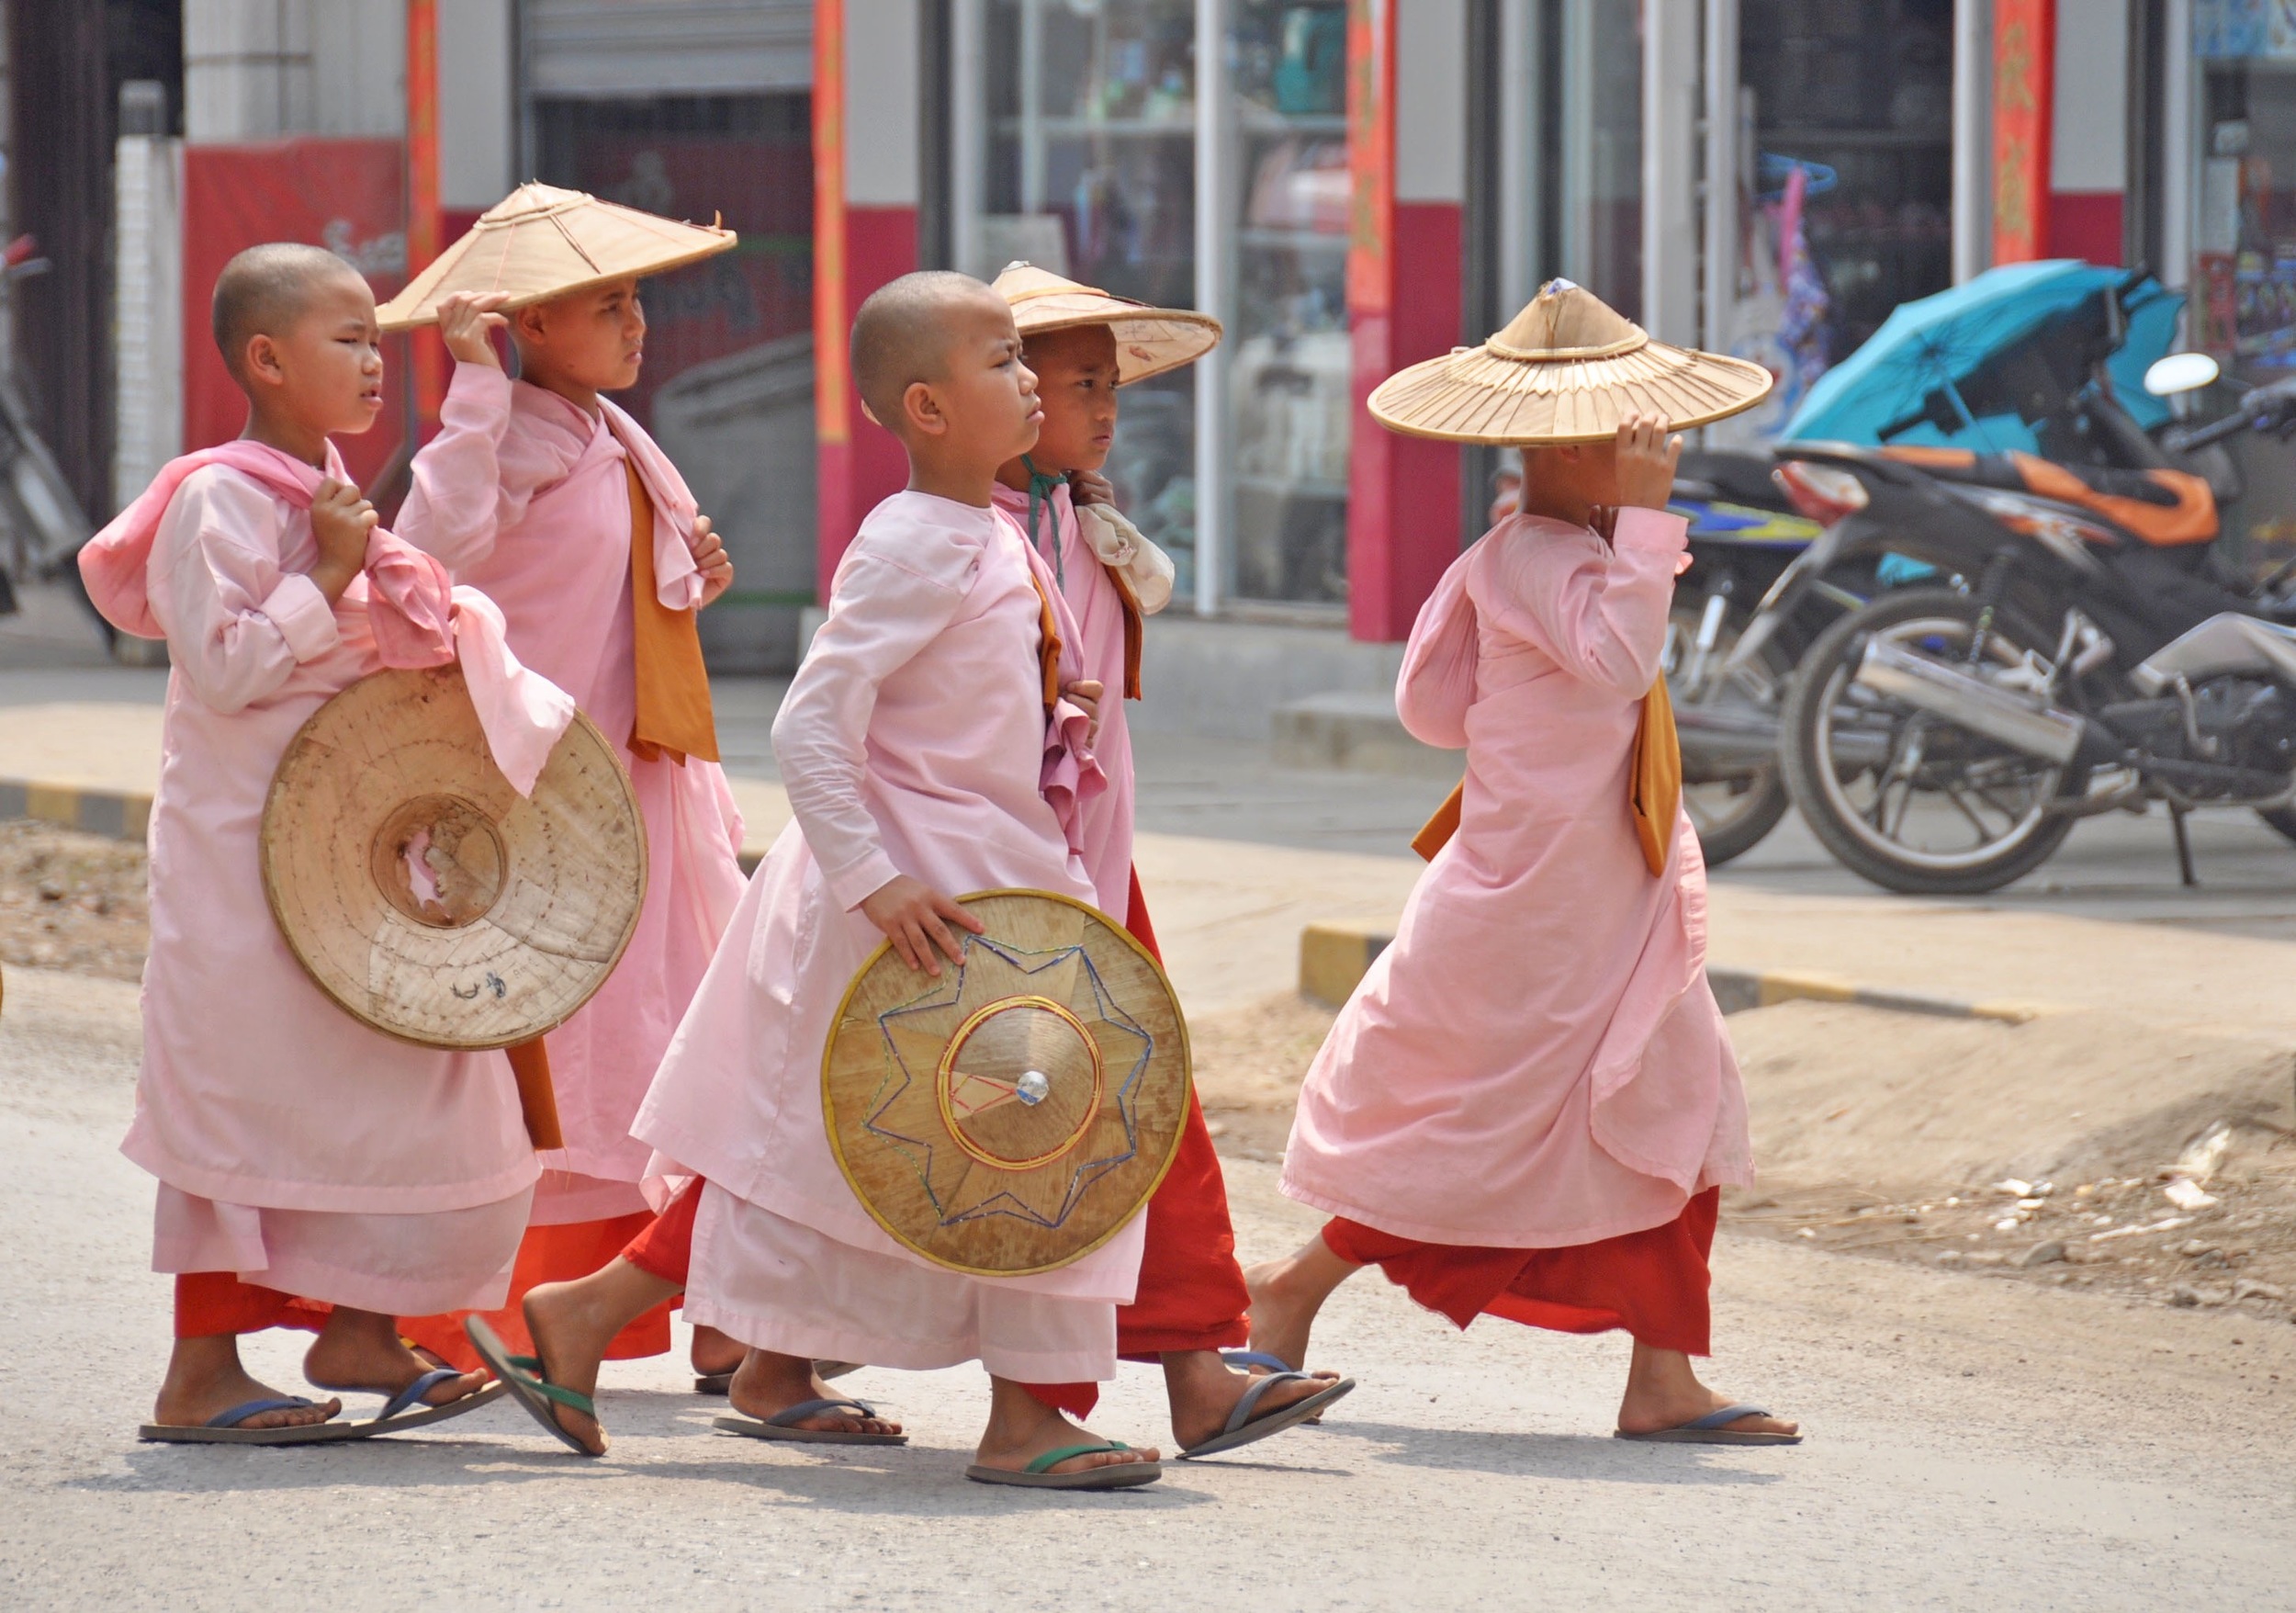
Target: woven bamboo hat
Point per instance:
(424, 894)
(1148, 341)
(1014, 1114)
(540, 241)
(1567, 369)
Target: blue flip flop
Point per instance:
(223, 1428)
(1244, 1360)
(1243, 1428)
(521, 1376)
(1710, 1429)
(781, 1425)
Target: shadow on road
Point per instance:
(1555, 1456)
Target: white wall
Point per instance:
(477, 104)
(261, 69)
(2088, 137)
(882, 87)
(1431, 100)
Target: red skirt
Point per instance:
(550, 1254)
(208, 1303)
(1652, 1283)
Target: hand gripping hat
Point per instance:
(1148, 341)
(540, 241)
(422, 892)
(1567, 369)
(1014, 1114)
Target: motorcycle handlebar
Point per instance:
(2183, 442)
(2266, 409)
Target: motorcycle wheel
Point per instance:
(1903, 798)
(1733, 809)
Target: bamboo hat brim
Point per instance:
(1014, 1114)
(1148, 341)
(541, 241)
(427, 896)
(1567, 369)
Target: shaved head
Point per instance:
(266, 288)
(903, 335)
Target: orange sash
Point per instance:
(673, 716)
(1135, 629)
(1048, 647)
(538, 1099)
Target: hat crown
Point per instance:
(1567, 321)
(532, 200)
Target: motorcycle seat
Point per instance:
(2162, 509)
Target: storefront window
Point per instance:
(1091, 109)
(1598, 89)
(2243, 270)
(1289, 341)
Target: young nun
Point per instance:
(556, 503)
(313, 1172)
(916, 744)
(1529, 1106)
(1083, 345)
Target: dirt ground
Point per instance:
(2160, 1167)
(71, 901)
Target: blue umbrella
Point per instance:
(1937, 341)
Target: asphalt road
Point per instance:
(1972, 1444)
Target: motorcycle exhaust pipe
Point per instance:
(1725, 738)
(2018, 721)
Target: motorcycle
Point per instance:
(2076, 651)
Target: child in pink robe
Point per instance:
(312, 1171)
(1192, 1297)
(529, 493)
(915, 749)
(1529, 1104)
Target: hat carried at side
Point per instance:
(540, 241)
(422, 892)
(1148, 341)
(1014, 1114)
(1567, 369)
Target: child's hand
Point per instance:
(1085, 692)
(709, 554)
(467, 321)
(341, 520)
(1646, 462)
(1087, 488)
(912, 915)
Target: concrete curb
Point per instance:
(117, 813)
(1334, 957)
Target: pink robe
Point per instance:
(1536, 1061)
(524, 496)
(1105, 822)
(913, 741)
(294, 1146)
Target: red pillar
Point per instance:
(2024, 84)
(427, 354)
(1404, 305)
(856, 250)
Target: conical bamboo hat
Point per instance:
(1567, 369)
(1014, 1114)
(426, 895)
(1148, 341)
(540, 241)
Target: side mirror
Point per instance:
(2180, 372)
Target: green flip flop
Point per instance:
(522, 1376)
(1122, 1476)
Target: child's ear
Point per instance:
(923, 410)
(259, 360)
(870, 414)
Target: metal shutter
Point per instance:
(595, 47)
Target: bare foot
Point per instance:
(204, 1380)
(1663, 1392)
(714, 1353)
(1022, 1428)
(1286, 1294)
(766, 1386)
(362, 1349)
(1203, 1391)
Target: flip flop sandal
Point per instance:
(1243, 1360)
(723, 1383)
(1122, 1476)
(223, 1428)
(1243, 1428)
(1709, 1430)
(521, 1375)
(781, 1425)
(405, 1409)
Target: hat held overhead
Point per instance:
(1567, 369)
(1148, 341)
(541, 241)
